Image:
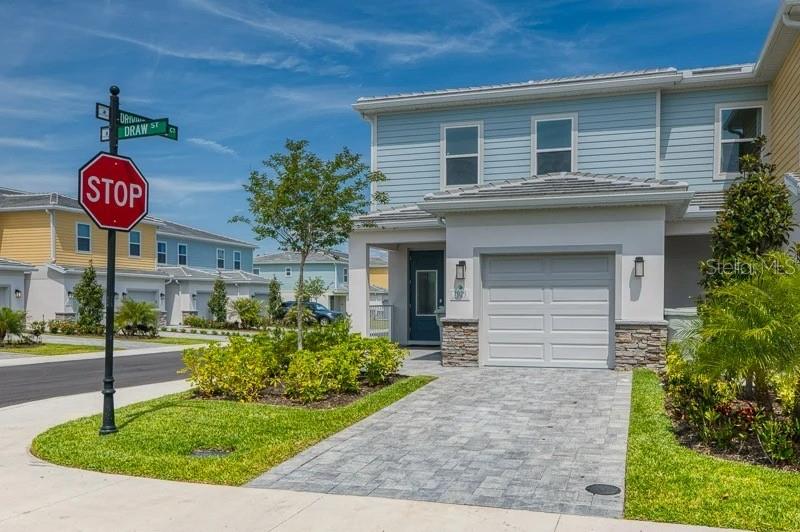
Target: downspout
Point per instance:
(52, 216)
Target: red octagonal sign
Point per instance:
(113, 191)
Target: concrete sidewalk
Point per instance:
(35, 495)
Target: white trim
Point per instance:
(216, 257)
(139, 256)
(237, 252)
(718, 109)
(435, 292)
(573, 118)
(52, 216)
(373, 154)
(345, 275)
(178, 254)
(443, 127)
(658, 134)
(77, 237)
(166, 252)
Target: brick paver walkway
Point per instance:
(502, 437)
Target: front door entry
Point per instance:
(426, 294)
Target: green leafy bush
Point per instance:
(249, 311)
(313, 376)
(136, 318)
(89, 296)
(37, 329)
(380, 359)
(776, 438)
(11, 322)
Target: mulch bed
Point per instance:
(274, 395)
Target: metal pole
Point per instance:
(109, 426)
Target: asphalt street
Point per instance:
(31, 382)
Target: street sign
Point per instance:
(150, 128)
(127, 118)
(113, 191)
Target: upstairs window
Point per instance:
(344, 275)
(256, 271)
(183, 254)
(288, 272)
(83, 240)
(220, 259)
(461, 154)
(161, 252)
(553, 145)
(737, 129)
(135, 244)
(237, 260)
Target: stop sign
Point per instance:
(113, 191)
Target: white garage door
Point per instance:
(201, 304)
(547, 310)
(147, 296)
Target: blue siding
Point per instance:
(687, 132)
(325, 271)
(616, 134)
(203, 254)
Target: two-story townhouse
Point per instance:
(52, 234)
(554, 222)
(330, 266)
(193, 259)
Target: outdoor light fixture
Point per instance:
(461, 270)
(18, 293)
(116, 294)
(124, 295)
(162, 296)
(194, 297)
(638, 267)
(69, 294)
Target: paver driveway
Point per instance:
(511, 438)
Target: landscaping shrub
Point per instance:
(380, 359)
(37, 329)
(11, 322)
(136, 318)
(249, 311)
(218, 302)
(313, 376)
(88, 295)
(237, 371)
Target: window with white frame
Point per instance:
(553, 144)
(237, 260)
(220, 258)
(161, 252)
(135, 244)
(83, 238)
(345, 275)
(288, 271)
(183, 254)
(461, 154)
(256, 271)
(738, 126)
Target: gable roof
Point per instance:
(291, 257)
(567, 189)
(170, 228)
(15, 265)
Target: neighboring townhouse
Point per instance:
(557, 222)
(330, 266)
(193, 259)
(46, 242)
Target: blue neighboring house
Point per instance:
(560, 222)
(193, 259)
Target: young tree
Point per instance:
(218, 302)
(306, 203)
(89, 295)
(755, 219)
(11, 322)
(274, 299)
(312, 289)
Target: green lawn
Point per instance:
(50, 349)
(668, 482)
(173, 340)
(156, 437)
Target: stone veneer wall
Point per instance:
(459, 342)
(640, 345)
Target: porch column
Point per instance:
(358, 284)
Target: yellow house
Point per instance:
(379, 272)
(51, 233)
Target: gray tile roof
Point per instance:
(187, 273)
(554, 185)
(180, 230)
(102, 271)
(291, 257)
(397, 215)
(16, 199)
(10, 264)
(707, 201)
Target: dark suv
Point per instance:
(321, 313)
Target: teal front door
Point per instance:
(426, 294)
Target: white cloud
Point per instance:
(212, 146)
(17, 142)
(180, 186)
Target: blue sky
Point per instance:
(239, 77)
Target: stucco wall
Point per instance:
(10, 281)
(682, 255)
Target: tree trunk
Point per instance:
(300, 303)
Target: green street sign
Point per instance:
(127, 118)
(149, 128)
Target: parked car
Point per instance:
(321, 313)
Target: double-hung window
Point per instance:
(256, 271)
(237, 260)
(288, 271)
(345, 275)
(220, 258)
(161, 252)
(553, 143)
(461, 154)
(183, 254)
(135, 244)
(737, 127)
(83, 238)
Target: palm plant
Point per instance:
(11, 322)
(249, 311)
(136, 317)
(750, 329)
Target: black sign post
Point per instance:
(109, 426)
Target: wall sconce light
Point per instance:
(116, 295)
(70, 294)
(638, 267)
(162, 295)
(194, 297)
(18, 293)
(124, 295)
(461, 270)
